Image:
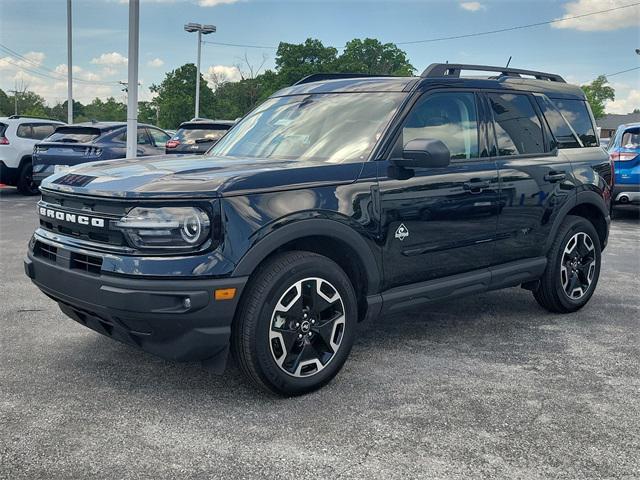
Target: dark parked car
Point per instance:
(625, 152)
(198, 136)
(339, 199)
(71, 145)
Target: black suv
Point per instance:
(339, 199)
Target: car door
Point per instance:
(438, 222)
(535, 177)
(145, 145)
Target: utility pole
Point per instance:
(132, 82)
(201, 30)
(69, 67)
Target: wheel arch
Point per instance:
(329, 238)
(588, 205)
(23, 160)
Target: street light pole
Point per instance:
(201, 30)
(69, 67)
(132, 81)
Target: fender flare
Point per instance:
(585, 197)
(307, 228)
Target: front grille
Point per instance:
(86, 263)
(44, 250)
(76, 207)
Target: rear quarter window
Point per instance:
(577, 115)
(517, 126)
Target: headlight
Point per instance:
(166, 227)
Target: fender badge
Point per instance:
(402, 232)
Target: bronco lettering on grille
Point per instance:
(71, 217)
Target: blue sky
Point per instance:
(578, 49)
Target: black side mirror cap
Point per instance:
(425, 153)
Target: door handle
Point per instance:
(476, 185)
(555, 176)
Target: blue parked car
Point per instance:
(624, 150)
(72, 145)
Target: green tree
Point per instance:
(31, 104)
(59, 111)
(6, 107)
(372, 57)
(597, 93)
(295, 61)
(147, 112)
(176, 96)
(105, 111)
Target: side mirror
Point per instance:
(424, 153)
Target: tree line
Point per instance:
(174, 97)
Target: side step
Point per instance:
(501, 276)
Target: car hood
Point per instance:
(196, 176)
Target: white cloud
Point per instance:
(34, 60)
(219, 74)
(112, 59)
(213, 3)
(624, 103)
(472, 6)
(156, 62)
(614, 20)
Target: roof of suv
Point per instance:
(446, 75)
(22, 119)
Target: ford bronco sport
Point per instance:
(339, 199)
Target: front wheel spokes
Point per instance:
(578, 265)
(307, 327)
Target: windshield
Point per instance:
(337, 127)
(193, 133)
(74, 134)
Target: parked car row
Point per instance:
(31, 149)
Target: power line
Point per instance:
(454, 37)
(240, 45)
(519, 27)
(52, 75)
(622, 71)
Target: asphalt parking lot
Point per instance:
(484, 387)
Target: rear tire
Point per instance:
(296, 323)
(26, 185)
(573, 267)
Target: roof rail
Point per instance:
(453, 70)
(317, 77)
(16, 117)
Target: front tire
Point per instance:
(573, 267)
(296, 323)
(26, 185)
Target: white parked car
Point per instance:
(18, 136)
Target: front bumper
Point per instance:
(177, 319)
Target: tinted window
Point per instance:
(194, 133)
(143, 139)
(448, 117)
(563, 133)
(159, 137)
(576, 113)
(631, 139)
(75, 134)
(42, 130)
(24, 130)
(518, 129)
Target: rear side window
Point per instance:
(448, 117)
(41, 131)
(577, 114)
(195, 133)
(631, 139)
(517, 126)
(3, 128)
(24, 130)
(75, 134)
